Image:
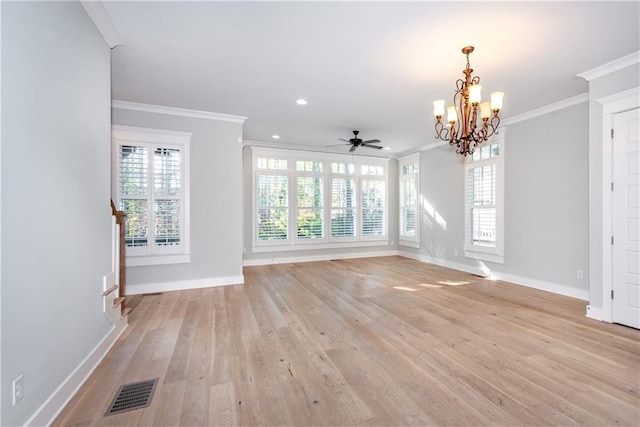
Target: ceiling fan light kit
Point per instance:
(462, 129)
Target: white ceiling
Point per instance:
(371, 66)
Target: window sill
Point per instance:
(484, 256)
(311, 246)
(138, 261)
(409, 244)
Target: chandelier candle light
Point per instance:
(462, 130)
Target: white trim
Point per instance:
(51, 408)
(292, 243)
(408, 243)
(556, 288)
(411, 241)
(611, 67)
(141, 260)
(490, 255)
(594, 313)
(125, 135)
(619, 102)
(475, 251)
(138, 134)
(556, 106)
(483, 271)
(611, 105)
(146, 288)
(103, 22)
(313, 258)
(301, 246)
(334, 150)
(159, 109)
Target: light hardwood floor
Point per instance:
(377, 341)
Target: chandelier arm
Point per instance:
(441, 131)
(494, 122)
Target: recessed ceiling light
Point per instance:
(301, 101)
(275, 136)
(387, 148)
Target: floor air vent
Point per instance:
(132, 396)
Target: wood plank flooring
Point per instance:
(373, 342)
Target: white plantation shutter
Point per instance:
(133, 185)
(310, 224)
(151, 189)
(373, 205)
(305, 200)
(343, 207)
(408, 184)
(167, 168)
(273, 207)
(484, 202)
(482, 205)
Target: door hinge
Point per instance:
(611, 133)
(612, 186)
(611, 293)
(612, 240)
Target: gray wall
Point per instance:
(546, 202)
(627, 78)
(268, 257)
(216, 199)
(56, 219)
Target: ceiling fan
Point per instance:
(356, 142)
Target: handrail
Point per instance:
(110, 290)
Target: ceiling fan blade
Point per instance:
(352, 149)
(345, 140)
(373, 146)
(335, 145)
(371, 141)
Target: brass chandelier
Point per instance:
(463, 129)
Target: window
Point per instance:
(273, 200)
(150, 184)
(409, 181)
(310, 196)
(344, 202)
(331, 202)
(484, 188)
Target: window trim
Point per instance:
(293, 243)
(403, 239)
(173, 139)
(487, 253)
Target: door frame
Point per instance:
(611, 105)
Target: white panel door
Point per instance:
(626, 218)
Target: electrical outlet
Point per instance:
(579, 274)
(18, 389)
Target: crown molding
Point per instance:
(611, 67)
(314, 149)
(159, 109)
(103, 22)
(560, 105)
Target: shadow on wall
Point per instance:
(435, 253)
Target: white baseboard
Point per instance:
(595, 313)
(555, 288)
(149, 288)
(51, 408)
(312, 258)
(443, 263)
